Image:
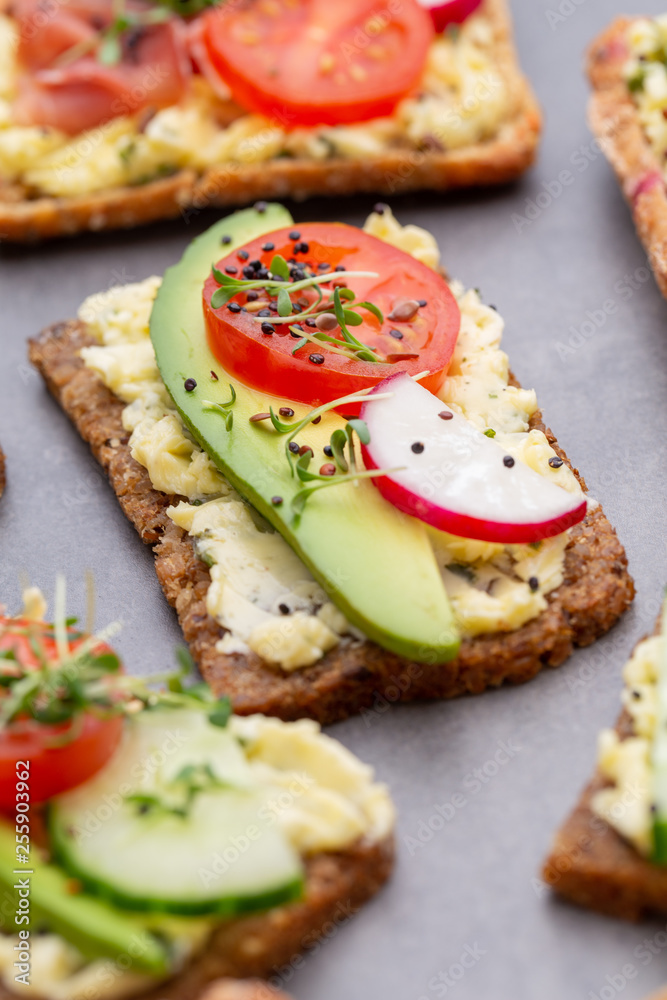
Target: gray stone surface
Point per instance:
(470, 889)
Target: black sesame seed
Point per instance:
(296, 308)
(380, 208)
(268, 329)
(268, 247)
(226, 240)
(263, 313)
(324, 266)
(298, 274)
(446, 415)
(262, 273)
(293, 333)
(283, 609)
(261, 207)
(422, 302)
(230, 269)
(305, 248)
(243, 255)
(256, 265)
(508, 461)
(340, 267)
(273, 306)
(311, 322)
(328, 451)
(276, 501)
(286, 411)
(234, 307)
(189, 385)
(252, 296)
(396, 334)
(214, 376)
(248, 273)
(555, 463)
(317, 359)
(297, 326)
(316, 420)
(417, 447)
(495, 308)
(636, 695)
(294, 447)
(534, 583)
(295, 235)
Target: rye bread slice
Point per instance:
(262, 945)
(356, 676)
(498, 160)
(614, 120)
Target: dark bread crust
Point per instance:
(496, 161)
(337, 885)
(592, 865)
(614, 120)
(355, 676)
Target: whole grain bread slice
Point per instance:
(268, 944)
(615, 122)
(357, 676)
(498, 160)
(592, 865)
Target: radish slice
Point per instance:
(450, 12)
(455, 477)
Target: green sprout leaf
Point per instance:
(280, 267)
(284, 303)
(110, 51)
(372, 308)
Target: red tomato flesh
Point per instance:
(265, 361)
(319, 62)
(61, 756)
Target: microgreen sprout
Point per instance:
(70, 675)
(225, 409)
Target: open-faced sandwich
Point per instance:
(352, 501)
(627, 66)
(152, 843)
(118, 112)
(611, 854)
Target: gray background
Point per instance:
(473, 883)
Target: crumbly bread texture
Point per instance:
(592, 865)
(496, 161)
(262, 945)
(356, 676)
(615, 122)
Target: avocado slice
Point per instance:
(376, 564)
(95, 928)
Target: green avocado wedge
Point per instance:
(376, 564)
(95, 928)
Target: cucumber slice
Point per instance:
(659, 754)
(176, 824)
(96, 929)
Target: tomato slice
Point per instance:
(319, 62)
(61, 756)
(257, 348)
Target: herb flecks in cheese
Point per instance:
(646, 77)
(260, 590)
(626, 804)
(463, 99)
